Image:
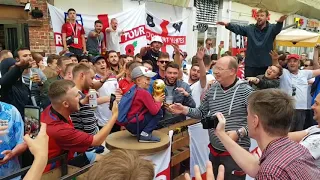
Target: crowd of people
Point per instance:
(275, 101)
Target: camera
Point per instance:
(27, 8)
(210, 122)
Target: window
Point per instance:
(207, 11)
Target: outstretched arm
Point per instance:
(237, 29)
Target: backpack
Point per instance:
(125, 105)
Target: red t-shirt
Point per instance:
(125, 85)
(63, 136)
(143, 99)
(68, 29)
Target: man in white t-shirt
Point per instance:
(197, 77)
(295, 83)
(310, 138)
(113, 36)
(109, 87)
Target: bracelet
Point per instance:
(102, 81)
(238, 133)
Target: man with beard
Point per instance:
(152, 52)
(176, 91)
(95, 39)
(260, 41)
(295, 83)
(197, 78)
(113, 61)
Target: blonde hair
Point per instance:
(122, 164)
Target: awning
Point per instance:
(297, 38)
(307, 8)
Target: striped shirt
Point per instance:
(85, 120)
(232, 103)
(284, 159)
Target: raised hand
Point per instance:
(222, 23)
(282, 18)
(177, 108)
(209, 173)
(274, 55)
(200, 53)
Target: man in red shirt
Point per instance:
(73, 35)
(126, 83)
(65, 99)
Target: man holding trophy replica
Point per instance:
(145, 111)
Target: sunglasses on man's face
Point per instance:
(164, 62)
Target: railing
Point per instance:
(64, 167)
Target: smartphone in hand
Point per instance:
(32, 120)
(112, 99)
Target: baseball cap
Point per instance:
(156, 39)
(69, 54)
(142, 71)
(294, 56)
(96, 59)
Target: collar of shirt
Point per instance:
(272, 146)
(265, 28)
(58, 115)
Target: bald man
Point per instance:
(227, 95)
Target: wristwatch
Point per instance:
(102, 81)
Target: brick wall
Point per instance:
(40, 31)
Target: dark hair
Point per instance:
(132, 65)
(228, 53)
(172, 65)
(148, 62)
(16, 53)
(138, 55)
(206, 60)
(123, 56)
(274, 108)
(52, 57)
(112, 51)
(164, 55)
(71, 9)
(194, 60)
(98, 21)
(280, 69)
(214, 57)
(195, 64)
(58, 89)
(208, 39)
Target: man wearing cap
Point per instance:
(147, 108)
(295, 82)
(152, 52)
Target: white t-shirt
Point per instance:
(113, 40)
(299, 83)
(312, 143)
(102, 112)
(196, 88)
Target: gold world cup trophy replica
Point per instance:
(158, 88)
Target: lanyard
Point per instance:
(74, 29)
(98, 39)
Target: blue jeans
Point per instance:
(147, 125)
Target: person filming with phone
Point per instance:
(229, 96)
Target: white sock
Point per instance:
(144, 133)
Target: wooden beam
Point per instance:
(180, 156)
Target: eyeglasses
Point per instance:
(164, 62)
(294, 89)
(219, 69)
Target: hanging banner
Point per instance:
(161, 162)
(139, 27)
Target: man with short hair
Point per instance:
(229, 96)
(162, 61)
(113, 36)
(113, 61)
(209, 50)
(84, 119)
(96, 39)
(4, 54)
(73, 35)
(51, 63)
(270, 113)
(65, 97)
(152, 52)
(260, 41)
(13, 90)
(295, 82)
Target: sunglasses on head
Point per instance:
(164, 62)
